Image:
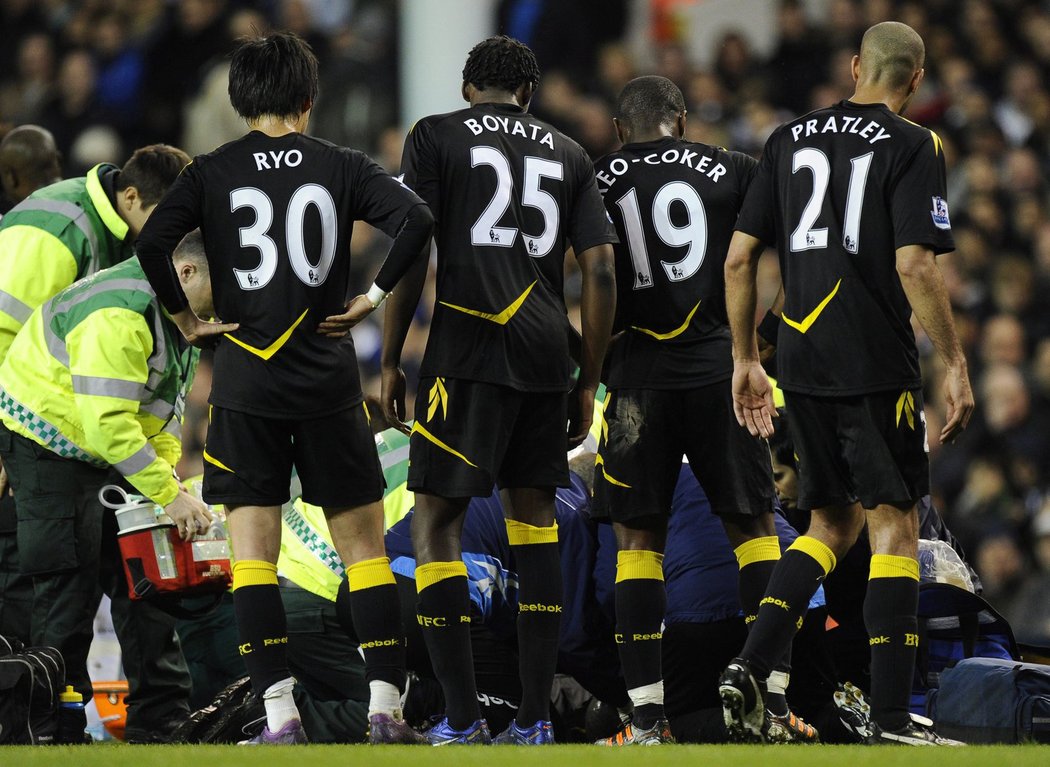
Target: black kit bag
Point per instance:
(30, 682)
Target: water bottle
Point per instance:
(72, 717)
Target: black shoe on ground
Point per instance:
(742, 702)
(918, 732)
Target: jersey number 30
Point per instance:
(255, 235)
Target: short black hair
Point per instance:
(649, 102)
(272, 75)
(501, 62)
(151, 170)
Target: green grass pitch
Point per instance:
(576, 756)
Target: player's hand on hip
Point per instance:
(958, 396)
(189, 514)
(393, 397)
(338, 325)
(581, 415)
(753, 398)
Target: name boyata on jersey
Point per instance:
(500, 124)
(840, 125)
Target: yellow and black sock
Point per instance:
(793, 582)
(756, 559)
(443, 612)
(889, 615)
(538, 564)
(640, 606)
(375, 613)
(260, 622)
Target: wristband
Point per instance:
(376, 295)
(769, 327)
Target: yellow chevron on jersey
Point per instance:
(438, 396)
(672, 333)
(273, 348)
(807, 323)
(503, 317)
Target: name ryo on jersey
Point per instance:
(676, 156)
(501, 124)
(290, 159)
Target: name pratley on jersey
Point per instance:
(676, 156)
(840, 124)
(501, 124)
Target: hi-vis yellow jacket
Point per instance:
(308, 556)
(58, 235)
(99, 374)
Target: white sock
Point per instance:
(384, 698)
(648, 693)
(280, 706)
(777, 682)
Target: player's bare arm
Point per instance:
(924, 286)
(400, 308)
(752, 393)
(597, 309)
(769, 327)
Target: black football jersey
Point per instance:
(277, 215)
(509, 194)
(675, 205)
(837, 192)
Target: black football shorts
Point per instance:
(248, 459)
(647, 431)
(870, 448)
(471, 435)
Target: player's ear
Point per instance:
(680, 124)
(129, 197)
(855, 67)
(186, 270)
(466, 90)
(621, 132)
(525, 94)
(916, 80)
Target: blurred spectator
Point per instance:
(1030, 612)
(192, 33)
(74, 106)
(23, 97)
(1000, 563)
(210, 120)
(800, 60)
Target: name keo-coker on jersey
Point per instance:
(676, 156)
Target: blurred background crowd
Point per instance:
(106, 76)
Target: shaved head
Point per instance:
(29, 160)
(890, 55)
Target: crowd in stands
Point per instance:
(105, 76)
